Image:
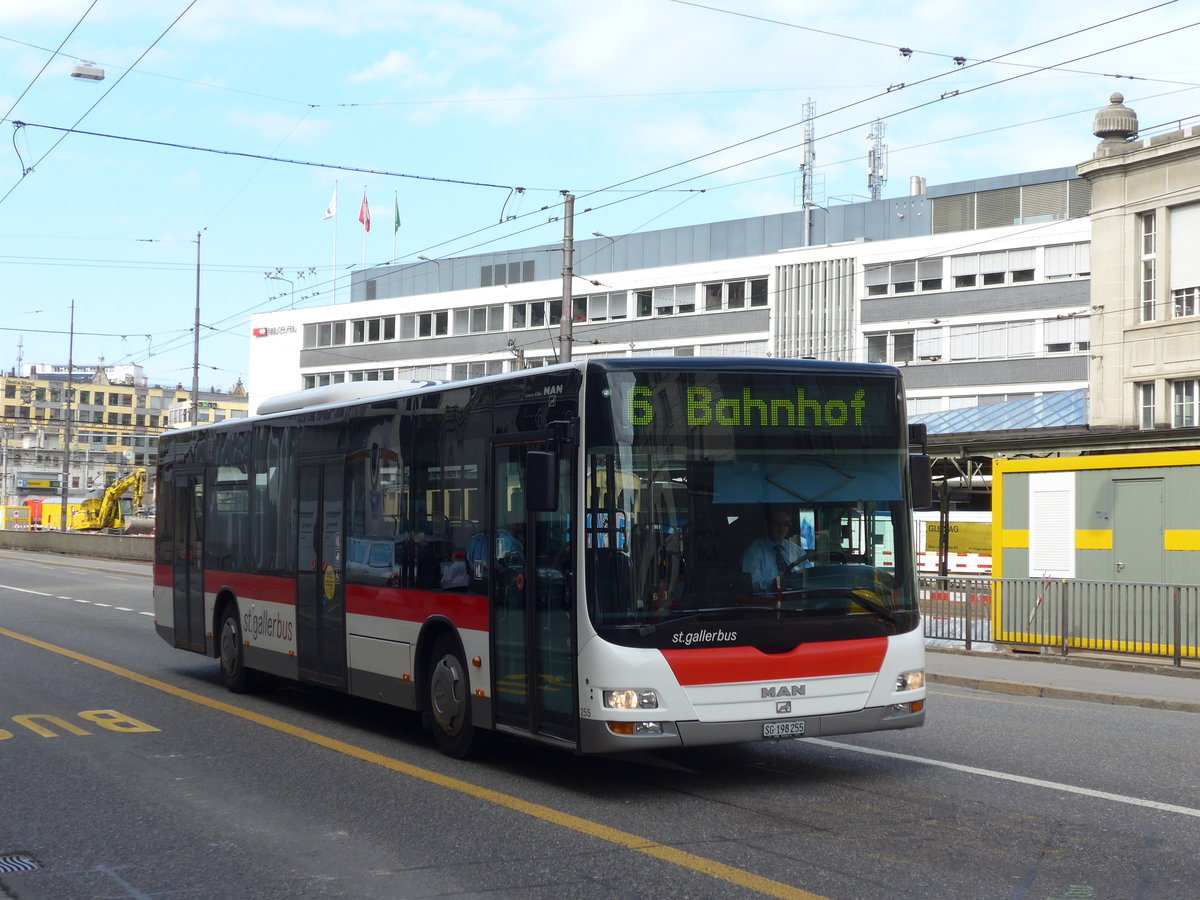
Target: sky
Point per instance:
(222, 128)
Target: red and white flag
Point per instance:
(364, 213)
(331, 210)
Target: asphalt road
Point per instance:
(128, 772)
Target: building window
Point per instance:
(903, 277)
(423, 325)
(876, 279)
(370, 330)
(324, 378)
(1067, 333)
(734, 294)
(758, 292)
(506, 273)
(1067, 261)
(373, 375)
(602, 307)
(536, 314)
(324, 334)
(667, 301)
(1184, 397)
(892, 347)
(461, 371)
(964, 270)
(1145, 395)
(1149, 258)
(1183, 302)
(929, 272)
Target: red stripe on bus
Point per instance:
(714, 665)
(164, 576)
(464, 610)
(250, 586)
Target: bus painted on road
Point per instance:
(563, 554)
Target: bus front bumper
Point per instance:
(596, 736)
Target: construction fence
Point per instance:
(1064, 615)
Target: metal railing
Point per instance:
(1159, 620)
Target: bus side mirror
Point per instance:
(541, 481)
(920, 479)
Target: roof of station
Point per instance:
(1052, 410)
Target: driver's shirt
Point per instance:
(762, 561)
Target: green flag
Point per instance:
(396, 200)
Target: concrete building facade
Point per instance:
(953, 283)
(1145, 363)
(115, 419)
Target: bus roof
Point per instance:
(334, 396)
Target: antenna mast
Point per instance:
(876, 160)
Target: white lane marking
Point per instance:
(1019, 779)
(9, 587)
(27, 591)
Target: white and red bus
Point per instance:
(562, 553)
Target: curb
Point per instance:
(1036, 690)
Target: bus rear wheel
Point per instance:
(234, 674)
(449, 702)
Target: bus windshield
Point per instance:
(751, 501)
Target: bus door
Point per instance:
(320, 567)
(187, 496)
(532, 594)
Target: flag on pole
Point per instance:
(331, 210)
(364, 212)
(396, 200)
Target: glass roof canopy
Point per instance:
(1052, 410)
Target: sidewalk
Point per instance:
(1100, 680)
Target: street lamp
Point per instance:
(439, 269)
(612, 249)
(277, 276)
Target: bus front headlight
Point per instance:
(630, 699)
(912, 680)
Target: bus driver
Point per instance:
(775, 553)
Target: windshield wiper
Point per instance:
(863, 598)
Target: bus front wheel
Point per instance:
(234, 674)
(449, 699)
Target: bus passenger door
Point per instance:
(320, 567)
(532, 592)
(187, 489)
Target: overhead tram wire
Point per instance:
(957, 59)
(99, 100)
(49, 59)
(975, 244)
(788, 149)
(740, 143)
(918, 106)
(657, 171)
(612, 187)
(954, 71)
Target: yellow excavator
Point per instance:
(110, 509)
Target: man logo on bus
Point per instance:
(783, 690)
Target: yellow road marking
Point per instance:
(681, 858)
